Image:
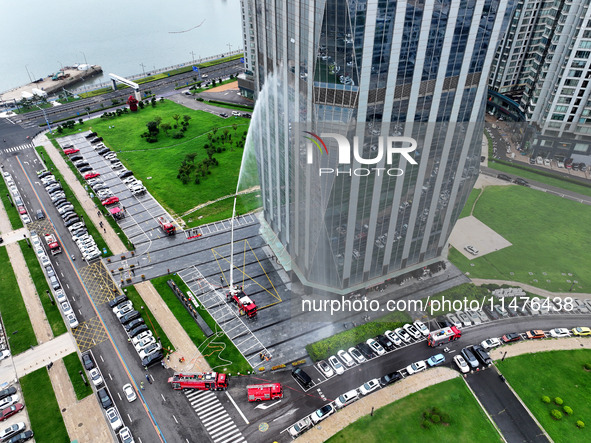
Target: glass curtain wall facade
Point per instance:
(366, 69)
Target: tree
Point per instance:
(176, 118)
(234, 127)
(158, 120)
(214, 130)
(209, 136)
(165, 127)
(186, 118)
(87, 109)
(152, 128)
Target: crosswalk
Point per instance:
(18, 148)
(214, 417)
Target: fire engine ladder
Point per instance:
(225, 314)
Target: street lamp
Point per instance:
(143, 68)
(46, 120)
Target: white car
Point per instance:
(461, 364)
(72, 320)
(299, 427)
(12, 430)
(471, 249)
(125, 435)
(4, 354)
(129, 392)
(402, 334)
(114, 419)
(412, 331)
(375, 346)
(66, 308)
(144, 343)
(421, 328)
(8, 401)
(346, 358)
(369, 386)
(60, 295)
(149, 350)
(418, 366)
(123, 309)
(95, 376)
(236, 113)
(322, 413)
(559, 333)
(336, 365)
(325, 369)
(135, 340)
(393, 337)
(490, 343)
(358, 356)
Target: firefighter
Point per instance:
(142, 386)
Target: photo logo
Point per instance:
(387, 147)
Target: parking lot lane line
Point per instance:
(237, 408)
(177, 422)
(162, 396)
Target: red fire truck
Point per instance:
(443, 336)
(244, 302)
(269, 391)
(52, 244)
(202, 381)
(166, 225)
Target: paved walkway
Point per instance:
(39, 356)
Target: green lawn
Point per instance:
(471, 199)
(52, 312)
(222, 209)
(92, 230)
(13, 217)
(17, 323)
(554, 374)
(73, 366)
(546, 250)
(148, 317)
(531, 174)
(157, 164)
(219, 352)
(44, 412)
(343, 340)
(462, 419)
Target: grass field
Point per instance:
(52, 312)
(219, 352)
(546, 251)
(469, 203)
(402, 421)
(148, 317)
(554, 374)
(17, 324)
(13, 217)
(73, 366)
(92, 230)
(157, 164)
(44, 412)
(531, 175)
(344, 340)
(222, 209)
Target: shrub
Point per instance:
(445, 417)
(426, 424)
(568, 410)
(588, 366)
(177, 134)
(435, 418)
(558, 401)
(580, 424)
(427, 415)
(556, 414)
(546, 399)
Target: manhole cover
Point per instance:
(264, 427)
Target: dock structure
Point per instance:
(64, 78)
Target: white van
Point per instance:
(346, 399)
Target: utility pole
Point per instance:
(229, 47)
(143, 68)
(193, 56)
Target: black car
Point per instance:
(302, 377)
(138, 330)
(126, 174)
(59, 201)
(6, 392)
(490, 312)
(87, 362)
(152, 359)
(23, 436)
(390, 378)
(103, 151)
(532, 161)
(76, 158)
(96, 140)
(72, 221)
(117, 300)
(470, 358)
(246, 115)
(84, 169)
(223, 114)
(40, 214)
(385, 342)
(513, 336)
(365, 350)
(131, 315)
(504, 177)
(81, 164)
(134, 324)
(43, 174)
(89, 136)
(482, 355)
(520, 181)
(104, 398)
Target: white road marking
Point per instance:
(237, 408)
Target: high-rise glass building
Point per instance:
(366, 70)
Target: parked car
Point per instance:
(369, 386)
(535, 333)
(6, 402)
(129, 392)
(520, 181)
(150, 349)
(87, 362)
(490, 343)
(136, 331)
(325, 368)
(104, 398)
(95, 376)
(385, 342)
(424, 330)
(482, 355)
(559, 333)
(320, 414)
(299, 427)
(125, 435)
(469, 357)
(375, 347)
(504, 177)
(22, 437)
(336, 365)
(9, 412)
(12, 430)
(131, 315)
(471, 249)
(8, 391)
(402, 334)
(152, 359)
(390, 378)
(436, 360)
(301, 376)
(365, 350)
(412, 331)
(346, 358)
(392, 336)
(123, 308)
(114, 419)
(513, 336)
(358, 356)
(582, 330)
(461, 364)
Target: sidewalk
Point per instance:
(44, 354)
